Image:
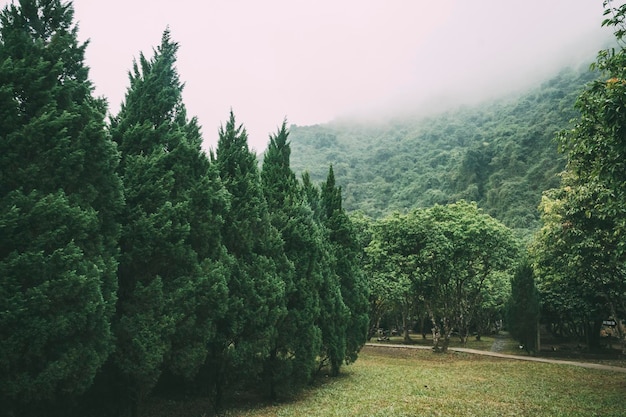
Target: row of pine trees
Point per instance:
(131, 261)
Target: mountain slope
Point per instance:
(501, 154)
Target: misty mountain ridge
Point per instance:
(500, 153)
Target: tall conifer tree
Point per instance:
(293, 358)
(172, 286)
(333, 311)
(256, 292)
(59, 198)
(354, 289)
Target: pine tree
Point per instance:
(293, 358)
(353, 286)
(59, 199)
(172, 285)
(255, 290)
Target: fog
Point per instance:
(312, 62)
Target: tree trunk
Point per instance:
(436, 338)
(447, 331)
(436, 335)
(441, 336)
(446, 343)
(334, 367)
(593, 334)
(538, 341)
(405, 327)
(217, 381)
(137, 403)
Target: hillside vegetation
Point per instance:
(501, 154)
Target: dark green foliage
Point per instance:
(352, 284)
(55, 323)
(59, 196)
(500, 154)
(299, 336)
(172, 285)
(256, 291)
(523, 307)
(363, 233)
(333, 311)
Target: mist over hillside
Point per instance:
(501, 153)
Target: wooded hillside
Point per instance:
(501, 154)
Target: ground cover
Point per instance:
(411, 382)
(405, 382)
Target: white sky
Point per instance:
(313, 61)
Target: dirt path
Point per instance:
(506, 356)
(499, 343)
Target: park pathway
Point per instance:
(499, 343)
(507, 356)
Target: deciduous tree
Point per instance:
(478, 246)
(443, 258)
(584, 222)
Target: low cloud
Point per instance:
(315, 61)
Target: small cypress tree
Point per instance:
(59, 199)
(523, 307)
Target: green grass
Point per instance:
(410, 382)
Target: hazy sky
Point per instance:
(313, 61)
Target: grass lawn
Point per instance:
(404, 382)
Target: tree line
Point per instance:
(132, 261)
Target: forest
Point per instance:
(135, 264)
(501, 154)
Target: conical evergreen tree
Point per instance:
(172, 285)
(333, 311)
(59, 199)
(293, 358)
(354, 289)
(523, 308)
(256, 292)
